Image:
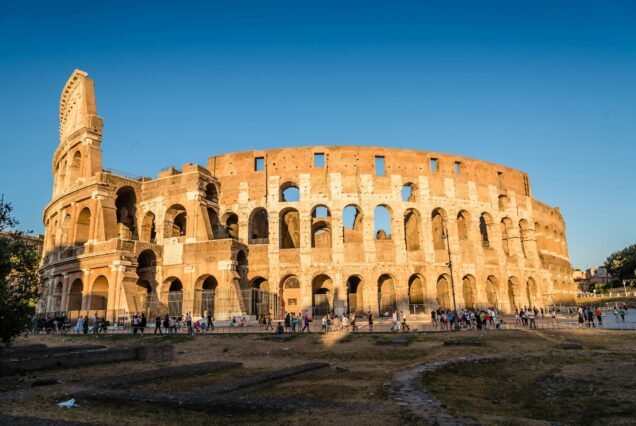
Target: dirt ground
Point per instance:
(594, 381)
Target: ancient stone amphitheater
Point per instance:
(344, 228)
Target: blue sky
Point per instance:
(545, 87)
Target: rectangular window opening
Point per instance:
(526, 185)
(379, 166)
(457, 167)
(499, 179)
(434, 165)
(319, 159)
(259, 164)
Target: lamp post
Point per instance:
(450, 267)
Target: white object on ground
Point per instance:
(68, 404)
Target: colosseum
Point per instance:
(324, 228)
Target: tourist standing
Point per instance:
(287, 321)
(158, 324)
(85, 324)
(370, 317)
(531, 317)
(210, 322)
(142, 323)
(188, 320)
(405, 326)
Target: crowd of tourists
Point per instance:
(468, 319)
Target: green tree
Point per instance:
(19, 278)
(622, 264)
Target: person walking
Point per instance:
(158, 324)
(599, 315)
(354, 327)
(188, 320)
(306, 320)
(531, 318)
(370, 317)
(80, 325)
(269, 322)
(142, 323)
(210, 322)
(405, 326)
(85, 324)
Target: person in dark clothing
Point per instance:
(158, 324)
(142, 323)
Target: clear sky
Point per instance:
(546, 87)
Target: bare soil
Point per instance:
(570, 386)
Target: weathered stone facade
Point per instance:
(293, 229)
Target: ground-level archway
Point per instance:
(386, 295)
(322, 294)
(444, 292)
(355, 296)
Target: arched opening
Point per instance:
(322, 294)
(444, 292)
(524, 232)
(176, 221)
(211, 193)
(66, 227)
(146, 298)
(205, 295)
(386, 295)
(412, 229)
(258, 226)
(260, 283)
(491, 292)
(484, 227)
(83, 226)
(126, 204)
(98, 298)
(513, 293)
(289, 192)
(468, 291)
(352, 224)
(75, 296)
(149, 228)
(289, 229)
(75, 171)
(290, 289)
(409, 193)
(439, 229)
(416, 294)
(242, 269)
(463, 225)
(382, 223)
(320, 227)
(175, 296)
(355, 298)
(232, 225)
(506, 226)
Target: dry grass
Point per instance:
(364, 367)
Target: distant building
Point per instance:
(37, 240)
(587, 280)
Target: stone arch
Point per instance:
(444, 292)
(514, 293)
(485, 224)
(438, 218)
(217, 230)
(211, 193)
(355, 294)
(66, 229)
(146, 298)
(75, 296)
(382, 216)
(463, 225)
(506, 227)
(231, 221)
(126, 204)
(290, 293)
(491, 292)
(260, 283)
(409, 192)
(205, 291)
(176, 221)
(75, 169)
(258, 226)
(83, 226)
(174, 288)
(320, 227)
(322, 294)
(386, 294)
(289, 192)
(352, 224)
(289, 223)
(417, 290)
(469, 290)
(58, 290)
(149, 228)
(412, 230)
(98, 297)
